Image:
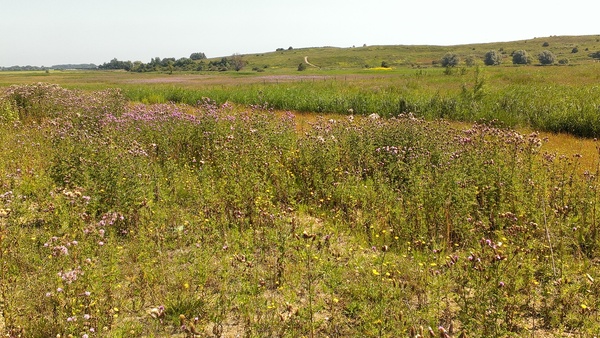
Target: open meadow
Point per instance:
(274, 204)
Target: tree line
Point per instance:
(56, 67)
(196, 62)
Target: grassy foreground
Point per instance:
(121, 219)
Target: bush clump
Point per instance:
(546, 57)
(450, 60)
(492, 58)
(520, 57)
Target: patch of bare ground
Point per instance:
(170, 79)
(292, 78)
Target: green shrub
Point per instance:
(470, 61)
(492, 58)
(546, 57)
(520, 57)
(8, 112)
(450, 60)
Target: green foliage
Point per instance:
(520, 57)
(237, 62)
(115, 64)
(8, 112)
(450, 60)
(492, 58)
(301, 67)
(470, 61)
(197, 56)
(546, 57)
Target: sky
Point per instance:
(52, 32)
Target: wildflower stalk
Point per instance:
(309, 287)
(380, 278)
(548, 235)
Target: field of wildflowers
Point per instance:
(129, 219)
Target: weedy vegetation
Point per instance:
(120, 218)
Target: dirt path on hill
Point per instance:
(308, 63)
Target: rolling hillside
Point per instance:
(419, 56)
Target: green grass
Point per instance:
(117, 218)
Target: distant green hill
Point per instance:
(574, 48)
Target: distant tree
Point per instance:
(184, 63)
(575, 50)
(221, 65)
(520, 57)
(167, 61)
(301, 67)
(138, 66)
(595, 55)
(545, 44)
(384, 64)
(563, 61)
(237, 62)
(290, 48)
(492, 58)
(197, 56)
(546, 57)
(116, 64)
(450, 60)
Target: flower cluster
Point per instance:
(70, 276)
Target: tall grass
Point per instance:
(156, 219)
(465, 95)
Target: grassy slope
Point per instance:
(396, 56)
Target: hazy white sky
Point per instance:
(49, 32)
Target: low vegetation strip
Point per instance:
(123, 219)
(473, 96)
